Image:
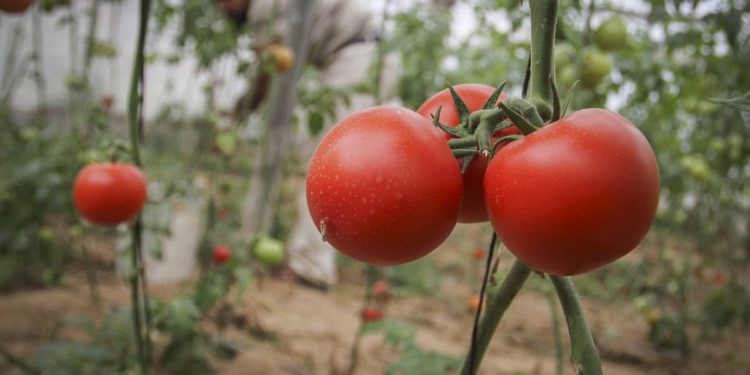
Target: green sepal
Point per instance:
(467, 160)
(461, 108)
(464, 152)
(527, 109)
(490, 103)
(507, 138)
(470, 141)
(569, 98)
(455, 131)
(555, 100)
(502, 126)
(484, 135)
(523, 124)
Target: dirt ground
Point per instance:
(313, 330)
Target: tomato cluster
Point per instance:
(575, 194)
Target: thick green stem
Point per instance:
(555, 314)
(90, 39)
(498, 300)
(135, 308)
(543, 23)
(138, 287)
(583, 353)
(18, 362)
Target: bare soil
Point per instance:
(289, 328)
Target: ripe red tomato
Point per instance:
(15, 6)
(372, 315)
(574, 195)
(474, 95)
(479, 253)
(221, 254)
(109, 193)
(385, 186)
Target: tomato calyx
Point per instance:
(477, 131)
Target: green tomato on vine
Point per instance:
(595, 66)
(612, 34)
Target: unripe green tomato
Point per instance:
(734, 141)
(717, 145)
(567, 76)
(269, 251)
(612, 34)
(564, 56)
(595, 66)
(697, 166)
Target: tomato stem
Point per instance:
(543, 24)
(138, 286)
(583, 352)
(498, 300)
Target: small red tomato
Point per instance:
(473, 95)
(371, 315)
(15, 6)
(381, 290)
(383, 186)
(221, 254)
(109, 193)
(479, 253)
(576, 194)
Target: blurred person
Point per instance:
(342, 45)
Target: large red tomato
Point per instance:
(384, 187)
(474, 95)
(574, 195)
(15, 6)
(109, 193)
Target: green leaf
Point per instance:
(227, 142)
(740, 103)
(244, 277)
(315, 122)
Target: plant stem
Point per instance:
(498, 300)
(91, 279)
(135, 301)
(559, 362)
(371, 274)
(543, 23)
(90, 39)
(18, 362)
(138, 288)
(487, 270)
(583, 353)
(36, 55)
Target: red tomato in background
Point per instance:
(372, 315)
(15, 6)
(474, 95)
(385, 185)
(574, 195)
(221, 254)
(109, 193)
